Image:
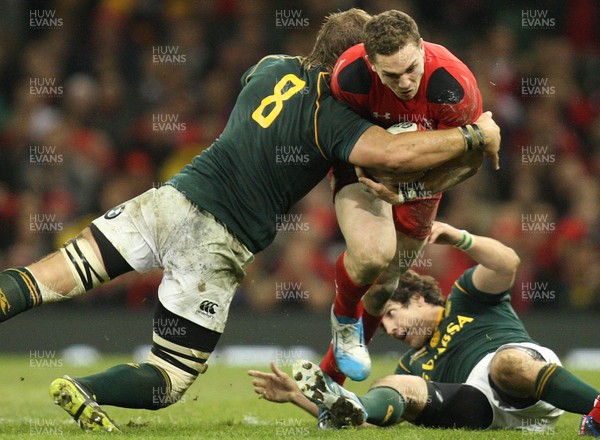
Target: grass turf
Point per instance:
(221, 404)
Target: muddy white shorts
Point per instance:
(540, 416)
(202, 262)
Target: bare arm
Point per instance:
(415, 151)
(498, 263)
(280, 388)
(441, 178)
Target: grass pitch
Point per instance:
(221, 404)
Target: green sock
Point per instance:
(384, 406)
(564, 390)
(130, 386)
(18, 292)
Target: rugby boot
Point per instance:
(349, 347)
(344, 405)
(71, 396)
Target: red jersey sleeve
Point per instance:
(351, 80)
(452, 93)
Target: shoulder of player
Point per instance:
(463, 291)
(352, 73)
(446, 75)
(272, 61)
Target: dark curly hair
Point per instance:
(412, 283)
(390, 31)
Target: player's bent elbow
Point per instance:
(512, 262)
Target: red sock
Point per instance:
(370, 324)
(348, 293)
(329, 367)
(595, 412)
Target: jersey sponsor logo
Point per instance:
(207, 307)
(385, 115)
(440, 344)
(114, 212)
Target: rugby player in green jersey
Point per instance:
(204, 226)
(471, 363)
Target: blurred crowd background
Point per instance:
(83, 84)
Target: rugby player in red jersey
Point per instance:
(393, 77)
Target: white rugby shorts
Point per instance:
(541, 416)
(202, 262)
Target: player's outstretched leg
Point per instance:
(75, 399)
(344, 405)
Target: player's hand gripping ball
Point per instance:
(448, 174)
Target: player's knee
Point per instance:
(386, 381)
(509, 371)
(172, 339)
(180, 367)
(177, 381)
(369, 262)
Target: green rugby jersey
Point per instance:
(473, 324)
(283, 135)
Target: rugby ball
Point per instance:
(446, 176)
(403, 127)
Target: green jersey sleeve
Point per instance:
(337, 127)
(465, 288)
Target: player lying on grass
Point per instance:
(204, 226)
(471, 363)
(393, 77)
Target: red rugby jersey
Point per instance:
(448, 95)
